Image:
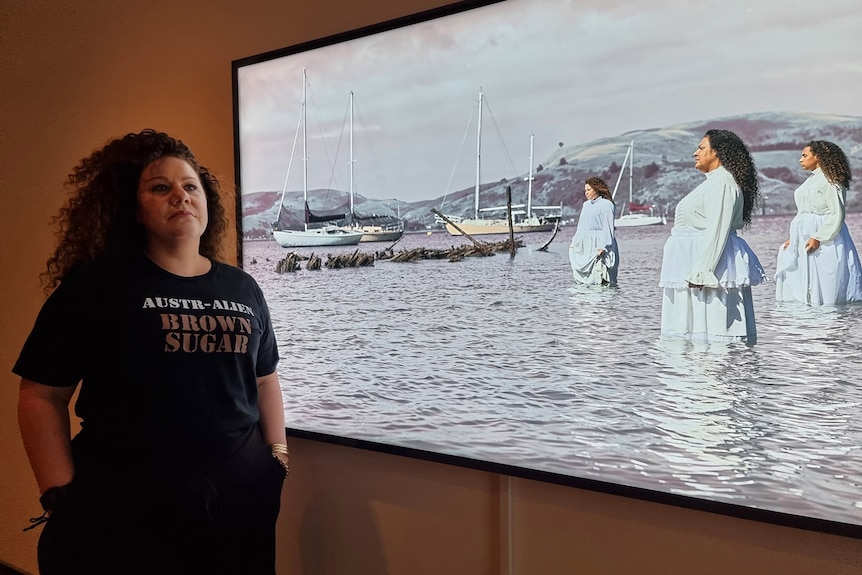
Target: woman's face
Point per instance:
(172, 203)
(705, 158)
(808, 160)
(590, 192)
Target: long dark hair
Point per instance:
(737, 160)
(99, 220)
(832, 162)
(600, 187)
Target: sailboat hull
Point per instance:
(633, 220)
(318, 237)
(484, 227)
(377, 234)
(643, 215)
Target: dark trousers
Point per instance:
(124, 521)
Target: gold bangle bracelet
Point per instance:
(279, 448)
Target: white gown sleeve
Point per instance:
(719, 206)
(833, 195)
(607, 218)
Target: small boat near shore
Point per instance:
(373, 228)
(524, 220)
(326, 235)
(635, 214)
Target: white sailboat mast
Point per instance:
(620, 176)
(478, 159)
(289, 167)
(530, 181)
(631, 170)
(352, 159)
(304, 150)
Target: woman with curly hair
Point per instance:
(819, 264)
(593, 252)
(182, 453)
(707, 269)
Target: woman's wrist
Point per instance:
(282, 460)
(281, 454)
(54, 497)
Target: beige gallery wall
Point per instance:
(77, 73)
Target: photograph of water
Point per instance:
(507, 360)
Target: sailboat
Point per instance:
(523, 220)
(380, 228)
(636, 214)
(327, 235)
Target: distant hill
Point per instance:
(663, 172)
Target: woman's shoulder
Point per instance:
(95, 270)
(818, 178)
(722, 179)
(88, 282)
(723, 174)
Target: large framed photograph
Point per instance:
(408, 194)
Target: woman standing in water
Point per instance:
(179, 464)
(593, 252)
(819, 264)
(707, 270)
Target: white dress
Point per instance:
(595, 231)
(703, 249)
(831, 274)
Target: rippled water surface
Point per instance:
(506, 360)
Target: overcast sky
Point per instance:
(566, 71)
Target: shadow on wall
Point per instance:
(9, 570)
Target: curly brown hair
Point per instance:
(99, 220)
(736, 159)
(600, 187)
(832, 162)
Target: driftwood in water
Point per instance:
(453, 254)
(479, 245)
(395, 241)
(544, 247)
(355, 260)
(314, 262)
(289, 263)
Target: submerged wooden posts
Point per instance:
(313, 262)
(291, 262)
(354, 260)
(479, 245)
(453, 254)
(544, 247)
(509, 220)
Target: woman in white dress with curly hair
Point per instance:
(707, 269)
(593, 252)
(819, 264)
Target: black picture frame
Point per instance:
(452, 11)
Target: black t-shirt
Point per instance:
(167, 364)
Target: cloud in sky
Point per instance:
(565, 71)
